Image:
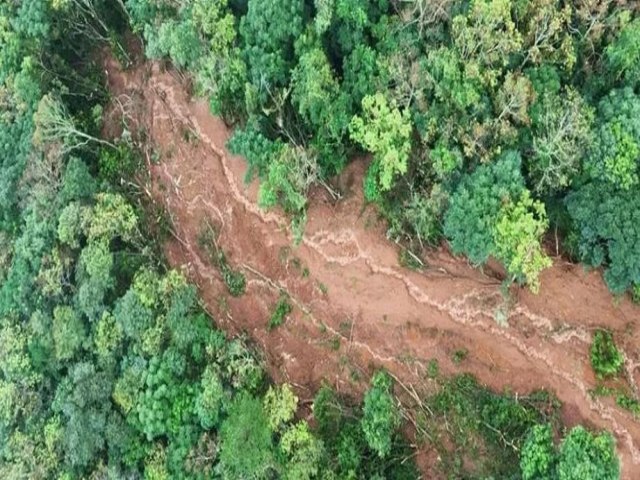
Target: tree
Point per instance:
(178, 40)
(623, 55)
(606, 225)
(517, 233)
(155, 465)
(546, 27)
(73, 222)
(581, 455)
(211, 398)
(77, 182)
(292, 171)
(380, 414)
(361, 72)
(430, 15)
(315, 92)
(113, 217)
(537, 460)
(511, 105)
(54, 125)
(82, 398)
(351, 21)
(86, 19)
(268, 32)
(486, 37)
(386, 132)
(68, 333)
(132, 315)
(166, 404)
(246, 430)
(108, 336)
(592, 19)
(256, 148)
(615, 154)
(280, 405)
(304, 453)
(222, 72)
(476, 204)
(513, 99)
(606, 359)
(561, 136)
(586, 456)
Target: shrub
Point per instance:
(606, 359)
(283, 308)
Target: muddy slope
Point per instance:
(355, 307)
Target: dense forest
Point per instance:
(488, 123)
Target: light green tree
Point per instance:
(54, 125)
(385, 131)
(538, 454)
(280, 405)
(381, 416)
(246, 430)
(615, 153)
(518, 231)
(68, 332)
(304, 452)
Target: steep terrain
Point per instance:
(355, 307)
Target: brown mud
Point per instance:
(355, 307)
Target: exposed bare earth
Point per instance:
(357, 308)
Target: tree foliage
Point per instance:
(606, 225)
(517, 236)
(385, 131)
(380, 415)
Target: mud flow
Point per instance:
(355, 307)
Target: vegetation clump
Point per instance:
(606, 359)
(482, 434)
(280, 312)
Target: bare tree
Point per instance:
(83, 17)
(55, 126)
(425, 13)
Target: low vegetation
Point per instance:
(482, 434)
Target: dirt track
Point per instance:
(357, 308)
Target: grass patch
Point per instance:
(629, 403)
(323, 288)
(459, 355)
(345, 327)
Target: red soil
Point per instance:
(356, 293)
